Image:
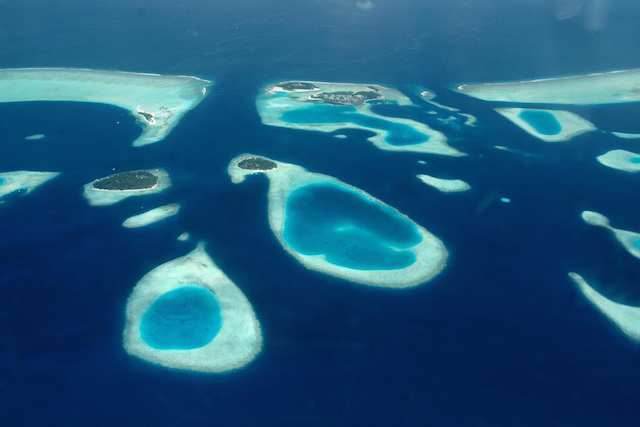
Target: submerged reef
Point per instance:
(35, 137)
(187, 314)
(22, 182)
(444, 185)
(337, 229)
(628, 239)
(625, 135)
(611, 87)
(622, 160)
(114, 188)
(548, 125)
(330, 107)
(158, 102)
(152, 216)
(625, 317)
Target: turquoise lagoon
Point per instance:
(349, 230)
(542, 121)
(184, 318)
(398, 134)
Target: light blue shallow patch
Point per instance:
(184, 318)
(635, 160)
(398, 134)
(542, 121)
(636, 244)
(349, 230)
(2, 180)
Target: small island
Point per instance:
(114, 188)
(257, 164)
(296, 86)
(129, 180)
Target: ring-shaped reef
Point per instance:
(623, 160)
(625, 317)
(444, 185)
(611, 87)
(629, 240)
(548, 125)
(187, 314)
(157, 102)
(329, 107)
(116, 187)
(152, 216)
(337, 229)
(22, 182)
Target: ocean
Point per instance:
(501, 338)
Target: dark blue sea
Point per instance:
(501, 338)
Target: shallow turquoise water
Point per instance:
(2, 181)
(636, 243)
(542, 121)
(185, 318)
(635, 160)
(350, 231)
(399, 134)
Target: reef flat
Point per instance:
(444, 185)
(622, 160)
(22, 182)
(548, 125)
(337, 229)
(157, 102)
(628, 239)
(611, 87)
(114, 188)
(625, 317)
(329, 107)
(152, 216)
(625, 135)
(187, 314)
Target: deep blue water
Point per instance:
(184, 318)
(542, 121)
(350, 231)
(399, 134)
(501, 338)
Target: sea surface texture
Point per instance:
(532, 321)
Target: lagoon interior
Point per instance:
(500, 338)
(182, 319)
(348, 230)
(398, 133)
(542, 121)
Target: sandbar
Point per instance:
(548, 125)
(625, 317)
(430, 253)
(612, 87)
(622, 160)
(152, 216)
(116, 187)
(237, 343)
(352, 109)
(35, 137)
(157, 102)
(625, 135)
(630, 240)
(444, 185)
